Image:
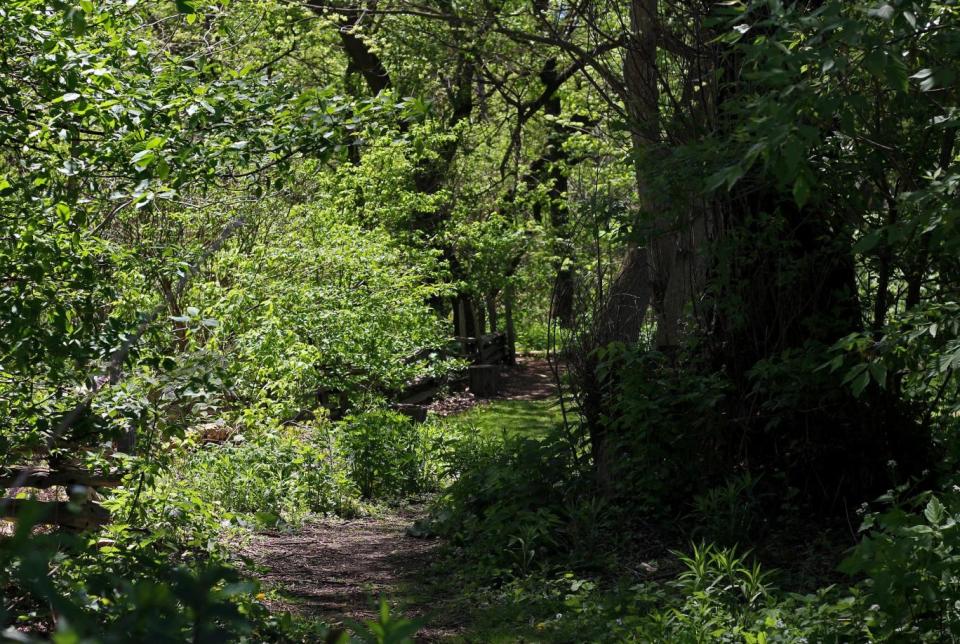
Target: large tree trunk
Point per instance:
(624, 307)
(362, 59)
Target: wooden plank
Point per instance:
(424, 353)
(421, 396)
(492, 355)
(484, 380)
(61, 513)
(43, 478)
(417, 413)
(416, 386)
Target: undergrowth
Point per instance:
(539, 556)
(532, 550)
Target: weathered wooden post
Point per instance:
(511, 339)
(484, 380)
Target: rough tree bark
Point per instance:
(625, 304)
(554, 173)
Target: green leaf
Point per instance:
(836, 363)
(879, 373)
(860, 383)
(895, 74)
(63, 210)
(935, 512)
(153, 143)
(729, 176)
(267, 519)
(801, 191)
(930, 79)
(854, 372)
(793, 152)
(143, 158)
(187, 6)
(867, 243)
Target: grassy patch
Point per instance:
(512, 418)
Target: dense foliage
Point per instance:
(235, 235)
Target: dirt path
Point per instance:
(335, 569)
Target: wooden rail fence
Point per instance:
(485, 354)
(80, 513)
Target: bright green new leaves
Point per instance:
(100, 117)
(321, 305)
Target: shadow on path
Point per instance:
(336, 569)
(333, 569)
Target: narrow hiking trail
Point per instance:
(333, 569)
(337, 569)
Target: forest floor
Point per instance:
(333, 569)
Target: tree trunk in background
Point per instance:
(554, 174)
(480, 312)
(360, 57)
(491, 303)
(626, 301)
(431, 174)
(673, 239)
(620, 320)
(632, 290)
(464, 318)
(510, 330)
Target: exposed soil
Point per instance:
(336, 569)
(530, 379)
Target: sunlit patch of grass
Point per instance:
(512, 418)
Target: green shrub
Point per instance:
(278, 474)
(717, 596)
(730, 513)
(509, 506)
(911, 559)
(389, 456)
(660, 413)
